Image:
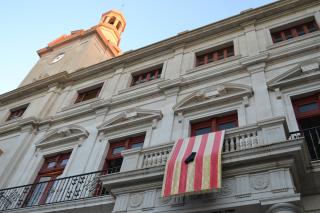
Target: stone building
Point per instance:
(90, 128)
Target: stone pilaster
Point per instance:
(261, 94)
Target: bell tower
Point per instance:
(80, 48)
(112, 25)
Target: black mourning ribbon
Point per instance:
(190, 158)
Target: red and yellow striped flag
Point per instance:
(202, 174)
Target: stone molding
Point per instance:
(68, 205)
(20, 124)
(131, 117)
(252, 187)
(307, 70)
(63, 135)
(284, 207)
(213, 95)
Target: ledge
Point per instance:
(235, 163)
(214, 64)
(106, 201)
(140, 86)
(293, 40)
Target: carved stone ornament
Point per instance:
(64, 135)
(213, 95)
(131, 117)
(308, 70)
(310, 66)
(136, 200)
(227, 188)
(260, 182)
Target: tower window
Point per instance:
(294, 31)
(89, 93)
(112, 20)
(146, 76)
(214, 124)
(215, 55)
(17, 112)
(119, 25)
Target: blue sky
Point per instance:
(27, 26)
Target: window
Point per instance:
(88, 94)
(51, 169)
(146, 76)
(295, 31)
(214, 124)
(215, 55)
(112, 20)
(114, 158)
(306, 108)
(119, 25)
(16, 113)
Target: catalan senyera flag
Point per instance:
(201, 173)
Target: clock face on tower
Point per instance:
(57, 58)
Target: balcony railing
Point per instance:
(54, 191)
(312, 138)
(235, 140)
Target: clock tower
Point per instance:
(80, 48)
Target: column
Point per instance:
(284, 208)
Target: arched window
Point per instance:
(112, 20)
(119, 25)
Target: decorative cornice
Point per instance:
(37, 86)
(25, 124)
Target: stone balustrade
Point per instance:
(237, 139)
(241, 139)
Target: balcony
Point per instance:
(312, 139)
(46, 193)
(241, 145)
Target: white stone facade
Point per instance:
(269, 172)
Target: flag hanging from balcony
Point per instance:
(194, 165)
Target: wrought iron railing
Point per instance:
(54, 191)
(312, 138)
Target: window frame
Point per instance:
(145, 75)
(214, 53)
(293, 30)
(298, 102)
(52, 174)
(81, 94)
(126, 143)
(214, 122)
(21, 110)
